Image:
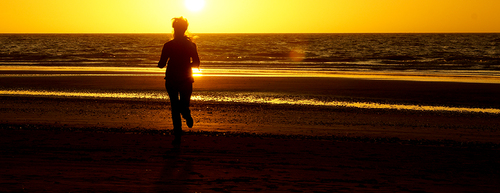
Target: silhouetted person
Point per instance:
(181, 55)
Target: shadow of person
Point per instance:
(175, 174)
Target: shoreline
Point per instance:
(321, 89)
(423, 76)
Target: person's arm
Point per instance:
(164, 57)
(196, 59)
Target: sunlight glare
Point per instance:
(249, 98)
(196, 71)
(195, 5)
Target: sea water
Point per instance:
(463, 54)
(413, 56)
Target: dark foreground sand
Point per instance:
(75, 161)
(118, 145)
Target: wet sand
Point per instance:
(86, 144)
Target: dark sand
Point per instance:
(80, 145)
(69, 161)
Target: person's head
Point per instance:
(180, 26)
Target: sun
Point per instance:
(194, 5)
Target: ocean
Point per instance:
(452, 54)
(469, 58)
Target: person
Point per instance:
(181, 55)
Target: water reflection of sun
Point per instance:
(196, 72)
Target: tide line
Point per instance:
(248, 98)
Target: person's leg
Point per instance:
(185, 92)
(173, 94)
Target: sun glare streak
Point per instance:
(249, 98)
(196, 72)
(74, 75)
(78, 69)
(241, 72)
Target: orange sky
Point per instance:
(250, 16)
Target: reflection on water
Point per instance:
(77, 69)
(84, 94)
(248, 98)
(433, 76)
(73, 75)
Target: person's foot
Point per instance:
(189, 122)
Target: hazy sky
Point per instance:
(250, 16)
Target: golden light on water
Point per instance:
(251, 98)
(239, 97)
(242, 72)
(196, 72)
(83, 94)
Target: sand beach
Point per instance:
(63, 143)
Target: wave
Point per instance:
(346, 52)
